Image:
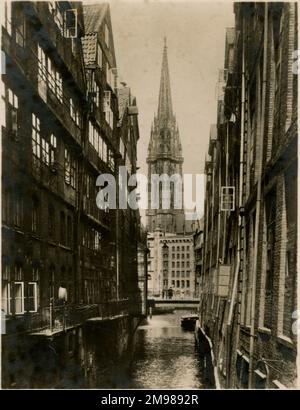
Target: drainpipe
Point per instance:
(258, 202)
(238, 256)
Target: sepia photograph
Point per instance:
(149, 197)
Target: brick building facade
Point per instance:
(249, 281)
(171, 265)
(62, 129)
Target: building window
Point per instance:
(67, 167)
(109, 117)
(182, 283)
(45, 152)
(227, 198)
(12, 105)
(19, 297)
(70, 23)
(182, 256)
(36, 138)
(53, 146)
(187, 273)
(54, 80)
(178, 283)
(187, 283)
(55, 11)
(42, 73)
(99, 56)
(97, 94)
(73, 175)
(32, 297)
(74, 113)
(42, 64)
(6, 297)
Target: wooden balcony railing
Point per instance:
(52, 319)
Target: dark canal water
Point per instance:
(162, 356)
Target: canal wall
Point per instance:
(206, 355)
(66, 360)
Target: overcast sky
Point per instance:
(195, 32)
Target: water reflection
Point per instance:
(162, 356)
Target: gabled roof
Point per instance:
(123, 94)
(93, 16)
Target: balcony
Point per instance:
(54, 320)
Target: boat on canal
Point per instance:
(188, 322)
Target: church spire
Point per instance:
(165, 102)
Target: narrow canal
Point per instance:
(163, 356)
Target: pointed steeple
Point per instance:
(165, 101)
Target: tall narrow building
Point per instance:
(165, 157)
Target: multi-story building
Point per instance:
(129, 226)
(171, 265)
(249, 280)
(198, 235)
(60, 252)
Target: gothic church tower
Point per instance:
(165, 156)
